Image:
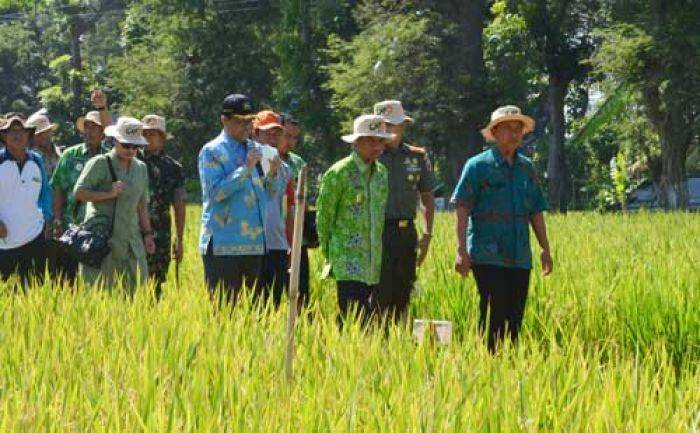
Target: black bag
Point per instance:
(310, 235)
(89, 243)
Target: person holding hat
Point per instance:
(25, 202)
(41, 142)
(410, 178)
(279, 215)
(350, 216)
(235, 191)
(68, 169)
(498, 195)
(166, 182)
(132, 236)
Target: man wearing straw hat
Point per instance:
(410, 178)
(25, 202)
(234, 194)
(41, 142)
(350, 216)
(166, 183)
(70, 166)
(498, 196)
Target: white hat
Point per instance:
(392, 112)
(156, 123)
(41, 122)
(368, 125)
(506, 114)
(92, 116)
(128, 131)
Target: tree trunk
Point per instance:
(557, 176)
(673, 183)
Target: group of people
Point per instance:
(120, 174)
(365, 210)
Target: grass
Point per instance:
(611, 343)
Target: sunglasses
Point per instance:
(128, 146)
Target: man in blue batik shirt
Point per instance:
(499, 195)
(234, 195)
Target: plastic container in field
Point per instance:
(436, 331)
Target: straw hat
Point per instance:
(92, 116)
(15, 118)
(367, 125)
(41, 122)
(128, 131)
(156, 123)
(505, 114)
(392, 112)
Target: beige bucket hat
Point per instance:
(368, 125)
(506, 114)
(154, 122)
(92, 116)
(392, 112)
(127, 130)
(41, 122)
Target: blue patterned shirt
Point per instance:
(233, 198)
(502, 198)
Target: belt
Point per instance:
(402, 224)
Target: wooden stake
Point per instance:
(296, 260)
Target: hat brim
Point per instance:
(80, 123)
(527, 121)
(399, 120)
(111, 131)
(168, 136)
(351, 138)
(269, 126)
(6, 126)
(53, 127)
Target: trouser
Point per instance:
(354, 297)
(274, 276)
(304, 285)
(27, 261)
(399, 256)
(62, 265)
(130, 270)
(503, 294)
(225, 276)
(159, 264)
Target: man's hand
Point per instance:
(254, 157)
(99, 99)
(117, 188)
(177, 250)
(423, 246)
(547, 262)
(274, 166)
(3, 230)
(463, 263)
(150, 244)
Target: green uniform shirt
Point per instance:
(70, 165)
(410, 173)
(350, 219)
(295, 163)
(126, 242)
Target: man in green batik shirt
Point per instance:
(350, 216)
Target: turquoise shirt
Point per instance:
(502, 198)
(233, 198)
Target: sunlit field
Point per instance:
(611, 343)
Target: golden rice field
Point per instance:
(611, 343)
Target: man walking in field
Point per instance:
(350, 216)
(497, 197)
(410, 178)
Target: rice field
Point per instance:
(611, 343)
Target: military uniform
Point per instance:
(166, 183)
(410, 174)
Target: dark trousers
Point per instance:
(225, 276)
(503, 293)
(354, 297)
(398, 276)
(27, 261)
(61, 264)
(274, 276)
(304, 291)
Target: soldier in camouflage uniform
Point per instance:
(167, 188)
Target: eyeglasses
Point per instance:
(128, 146)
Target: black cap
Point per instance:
(238, 105)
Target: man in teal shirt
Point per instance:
(499, 195)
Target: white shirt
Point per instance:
(25, 199)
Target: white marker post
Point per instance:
(300, 207)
